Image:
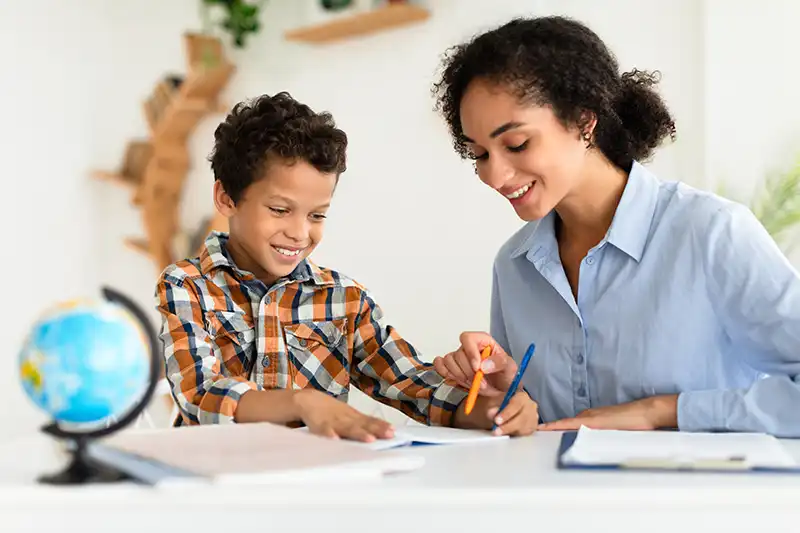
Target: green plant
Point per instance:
(239, 18)
(777, 203)
(335, 5)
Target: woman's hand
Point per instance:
(461, 365)
(521, 415)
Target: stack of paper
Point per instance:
(643, 448)
(243, 453)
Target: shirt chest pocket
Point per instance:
(234, 336)
(319, 356)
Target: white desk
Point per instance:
(510, 485)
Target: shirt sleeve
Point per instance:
(388, 369)
(202, 393)
(757, 296)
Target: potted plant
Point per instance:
(235, 17)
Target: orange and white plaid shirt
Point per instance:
(225, 332)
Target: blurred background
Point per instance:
(87, 86)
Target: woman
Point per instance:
(651, 304)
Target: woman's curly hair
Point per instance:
(274, 127)
(559, 62)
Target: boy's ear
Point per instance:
(222, 201)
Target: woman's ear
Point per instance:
(222, 201)
(587, 121)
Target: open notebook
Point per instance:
(243, 454)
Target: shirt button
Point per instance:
(581, 392)
(265, 361)
(240, 336)
(590, 260)
(580, 358)
(267, 300)
(303, 343)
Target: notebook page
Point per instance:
(612, 447)
(447, 435)
(252, 452)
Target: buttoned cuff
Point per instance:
(702, 410)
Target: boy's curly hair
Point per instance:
(559, 62)
(269, 128)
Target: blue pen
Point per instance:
(517, 378)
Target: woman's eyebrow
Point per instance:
(498, 131)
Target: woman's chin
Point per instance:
(532, 211)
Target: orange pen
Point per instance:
(476, 382)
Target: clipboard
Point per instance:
(707, 466)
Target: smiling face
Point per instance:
(521, 150)
(279, 219)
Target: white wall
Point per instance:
(75, 74)
(752, 81)
(82, 69)
(48, 212)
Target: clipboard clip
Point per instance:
(730, 463)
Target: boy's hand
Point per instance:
(519, 418)
(461, 365)
(327, 416)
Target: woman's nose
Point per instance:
(496, 172)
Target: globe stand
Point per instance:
(82, 470)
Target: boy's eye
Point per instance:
(318, 216)
(518, 148)
(279, 210)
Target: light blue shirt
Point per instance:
(687, 294)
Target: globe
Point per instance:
(85, 362)
(92, 366)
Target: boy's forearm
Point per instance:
(275, 406)
(477, 419)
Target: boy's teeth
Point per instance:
(284, 251)
(519, 192)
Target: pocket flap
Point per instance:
(233, 324)
(305, 334)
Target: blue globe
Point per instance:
(84, 362)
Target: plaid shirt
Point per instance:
(225, 333)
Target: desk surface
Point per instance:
(471, 487)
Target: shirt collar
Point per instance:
(215, 255)
(629, 228)
(540, 242)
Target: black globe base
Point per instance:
(82, 470)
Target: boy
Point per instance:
(252, 329)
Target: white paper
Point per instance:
(434, 435)
(612, 447)
(407, 435)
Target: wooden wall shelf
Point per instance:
(140, 245)
(379, 19)
(155, 168)
(119, 179)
